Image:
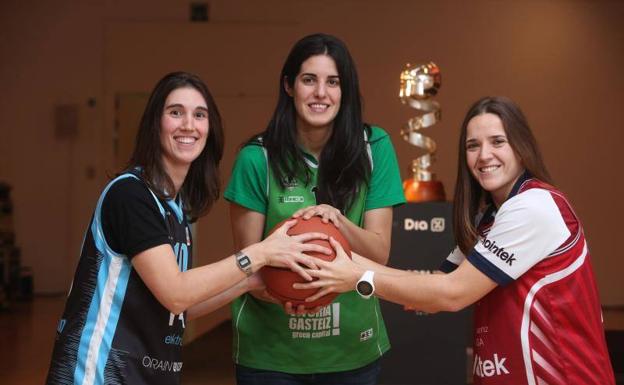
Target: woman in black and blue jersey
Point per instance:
(134, 286)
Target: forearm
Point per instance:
(430, 292)
(436, 292)
(368, 264)
(177, 291)
(369, 243)
(217, 301)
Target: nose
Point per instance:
(187, 122)
(320, 90)
(485, 152)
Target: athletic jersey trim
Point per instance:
(528, 303)
(488, 268)
(105, 307)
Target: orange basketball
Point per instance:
(279, 281)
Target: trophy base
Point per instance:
(423, 190)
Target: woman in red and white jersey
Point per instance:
(521, 258)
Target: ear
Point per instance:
(287, 88)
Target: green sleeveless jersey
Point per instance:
(347, 334)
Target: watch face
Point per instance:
(364, 288)
(244, 261)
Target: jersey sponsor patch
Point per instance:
(291, 199)
(489, 367)
(324, 323)
(498, 251)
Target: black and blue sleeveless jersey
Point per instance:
(113, 330)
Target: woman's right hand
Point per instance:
(282, 250)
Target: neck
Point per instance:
(313, 139)
(177, 175)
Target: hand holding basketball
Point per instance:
(285, 248)
(327, 214)
(279, 281)
(333, 277)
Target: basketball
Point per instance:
(279, 281)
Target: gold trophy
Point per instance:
(418, 87)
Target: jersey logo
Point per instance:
(289, 183)
(489, 368)
(291, 199)
(498, 251)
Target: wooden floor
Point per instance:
(27, 332)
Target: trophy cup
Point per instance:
(419, 85)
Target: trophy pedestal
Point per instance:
(416, 190)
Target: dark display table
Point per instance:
(426, 349)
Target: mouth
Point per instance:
(318, 107)
(185, 139)
(488, 169)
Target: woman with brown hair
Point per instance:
(521, 258)
(125, 315)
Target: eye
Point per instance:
(308, 80)
(201, 114)
(499, 141)
(471, 146)
(333, 82)
(175, 112)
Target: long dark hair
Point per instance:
(201, 186)
(469, 195)
(343, 165)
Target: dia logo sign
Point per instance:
(436, 225)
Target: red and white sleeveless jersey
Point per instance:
(543, 324)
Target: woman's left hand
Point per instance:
(326, 212)
(338, 276)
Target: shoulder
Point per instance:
(534, 201)
(251, 152)
(127, 190)
(535, 207)
(377, 134)
(125, 186)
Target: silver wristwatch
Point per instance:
(243, 262)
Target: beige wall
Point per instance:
(560, 60)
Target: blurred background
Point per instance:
(75, 76)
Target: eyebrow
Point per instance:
(315, 75)
(182, 106)
(489, 137)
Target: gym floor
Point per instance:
(27, 333)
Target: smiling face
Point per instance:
(183, 129)
(490, 158)
(316, 92)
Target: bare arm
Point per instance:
(177, 290)
(372, 240)
(430, 293)
(247, 226)
(253, 282)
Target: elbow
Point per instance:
(448, 296)
(456, 305)
(453, 301)
(175, 299)
(175, 306)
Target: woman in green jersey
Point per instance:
(315, 157)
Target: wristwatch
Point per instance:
(365, 286)
(243, 262)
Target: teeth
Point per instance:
(185, 139)
(318, 106)
(488, 168)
